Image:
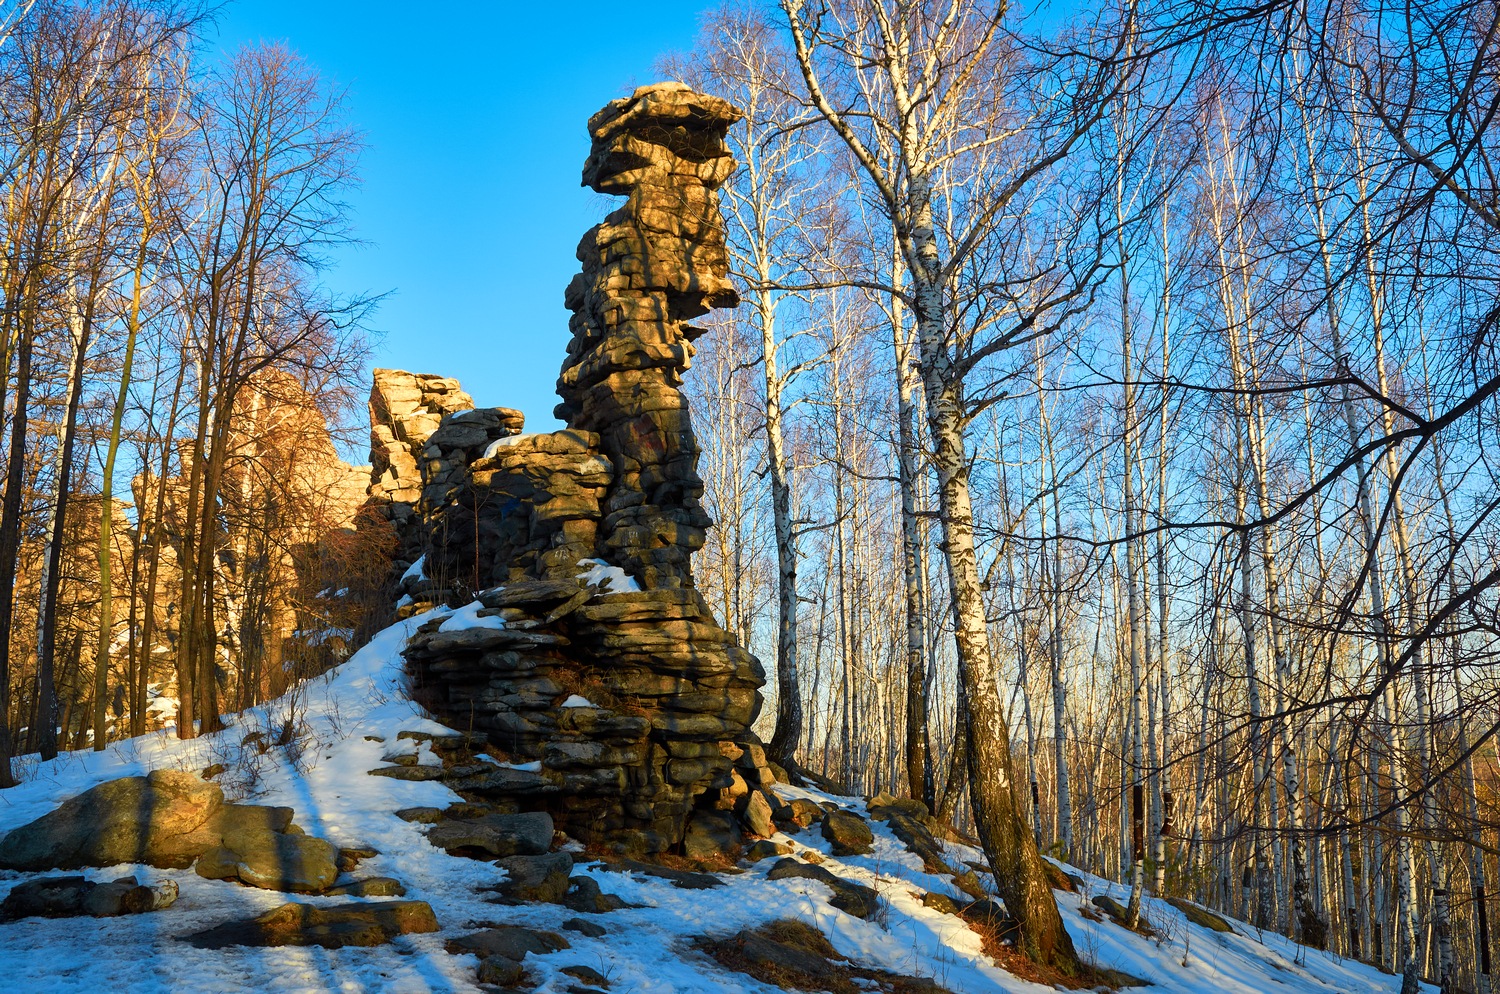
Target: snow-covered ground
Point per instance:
(350, 718)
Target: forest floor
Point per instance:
(343, 724)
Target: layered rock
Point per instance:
(652, 266)
(424, 433)
(588, 657)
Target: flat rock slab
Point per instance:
(509, 941)
(418, 774)
(855, 899)
(681, 879)
(525, 834)
(1200, 916)
(353, 924)
(369, 887)
(585, 927)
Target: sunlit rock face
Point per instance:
(654, 264)
(587, 656)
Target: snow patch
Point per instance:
(414, 571)
(610, 579)
(500, 443)
(468, 617)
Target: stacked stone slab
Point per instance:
(664, 736)
(636, 706)
(651, 267)
(527, 507)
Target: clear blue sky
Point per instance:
(473, 114)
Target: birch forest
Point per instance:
(1104, 448)
(1120, 387)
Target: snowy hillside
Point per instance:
(348, 720)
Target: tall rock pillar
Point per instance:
(650, 268)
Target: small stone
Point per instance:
(587, 974)
(585, 927)
(940, 902)
(500, 970)
(369, 887)
(584, 895)
(765, 849)
(421, 815)
(350, 857)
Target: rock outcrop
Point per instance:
(423, 431)
(588, 656)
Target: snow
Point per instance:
(500, 443)
(577, 701)
(414, 571)
(468, 617)
(349, 720)
(610, 579)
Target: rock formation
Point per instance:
(424, 432)
(653, 265)
(588, 650)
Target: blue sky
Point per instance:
(473, 114)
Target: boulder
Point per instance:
(848, 833)
(765, 849)
(1200, 916)
(165, 818)
(536, 878)
(357, 923)
(940, 902)
(883, 805)
(711, 834)
(63, 897)
(302, 864)
(808, 970)
(755, 812)
(799, 813)
(914, 835)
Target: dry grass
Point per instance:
(998, 941)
